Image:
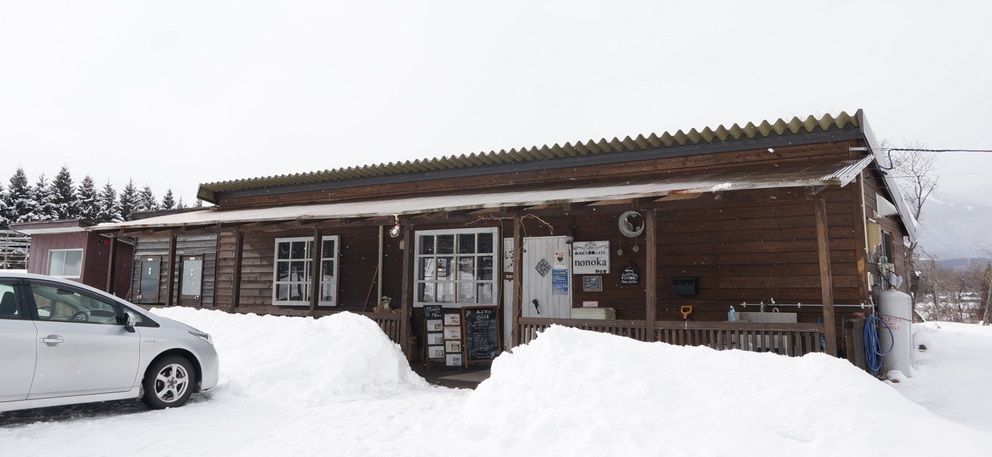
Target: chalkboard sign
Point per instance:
(432, 311)
(481, 333)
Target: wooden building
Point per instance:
(66, 249)
(654, 238)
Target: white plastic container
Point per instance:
(896, 309)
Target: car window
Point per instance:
(64, 304)
(8, 302)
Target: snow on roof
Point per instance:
(829, 172)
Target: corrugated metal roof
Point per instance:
(763, 129)
(814, 173)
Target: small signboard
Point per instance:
(630, 276)
(559, 281)
(592, 283)
(590, 257)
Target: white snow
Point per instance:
(338, 386)
(953, 378)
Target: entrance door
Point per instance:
(148, 283)
(546, 282)
(191, 283)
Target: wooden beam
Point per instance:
(171, 286)
(518, 291)
(406, 301)
(315, 254)
(111, 264)
(651, 271)
(213, 298)
(826, 275)
(239, 244)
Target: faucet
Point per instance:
(763, 304)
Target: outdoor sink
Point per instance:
(783, 318)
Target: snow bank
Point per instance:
(303, 361)
(572, 392)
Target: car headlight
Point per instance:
(202, 335)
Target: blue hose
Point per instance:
(873, 354)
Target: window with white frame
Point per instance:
(456, 267)
(65, 263)
(292, 269)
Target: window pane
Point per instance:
(466, 292)
(466, 268)
(282, 271)
(445, 244)
(282, 251)
(73, 263)
(298, 271)
(427, 244)
(66, 305)
(446, 292)
(8, 302)
(327, 250)
(56, 263)
(486, 293)
(427, 268)
(485, 243)
(327, 291)
(192, 277)
(282, 292)
(327, 270)
(425, 292)
(444, 267)
(299, 250)
(297, 291)
(466, 243)
(486, 268)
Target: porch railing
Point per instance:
(785, 339)
(388, 322)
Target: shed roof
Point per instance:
(814, 173)
(53, 226)
(653, 141)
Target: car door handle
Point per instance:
(53, 340)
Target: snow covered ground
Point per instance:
(338, 386)
(953, 378)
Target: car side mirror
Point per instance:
(130, 321)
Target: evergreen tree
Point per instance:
(4, 222)
(198, 204)
(181, 204)
(19, 202)
(44, 198)
(146, 200)
(89, 203)
(64, 195)
(127, 203)
(168, 201)
(108, 211)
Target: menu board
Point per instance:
(481, 333)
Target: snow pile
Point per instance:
(572, 392)
(303, 361)
(953, 377)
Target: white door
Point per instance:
(547, 279)
(82, 346)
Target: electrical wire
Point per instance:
(873, 356)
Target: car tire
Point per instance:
(169, 382)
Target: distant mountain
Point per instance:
(961, 264)
(956, 227)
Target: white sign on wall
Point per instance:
(590, 257)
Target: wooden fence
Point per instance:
(785, 339)
(388, 322)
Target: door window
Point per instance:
(192, 280)
(9, 308)
(62, 304)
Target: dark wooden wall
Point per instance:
(873, 187)
(186, 245)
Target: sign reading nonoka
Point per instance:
(590, 257)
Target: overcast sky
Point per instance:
(175, 93)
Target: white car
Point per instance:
(63, 343)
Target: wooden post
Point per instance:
(651, 272)
(518, 291)
(826, 275)
(239, 243)
(315, 271)
(407, 300)
(171, 287)
(111, 264)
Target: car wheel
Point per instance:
(169, 383)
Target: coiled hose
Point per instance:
(873, 355)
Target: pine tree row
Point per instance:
(63, 199)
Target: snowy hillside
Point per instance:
(956, 226)
(337, 386)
